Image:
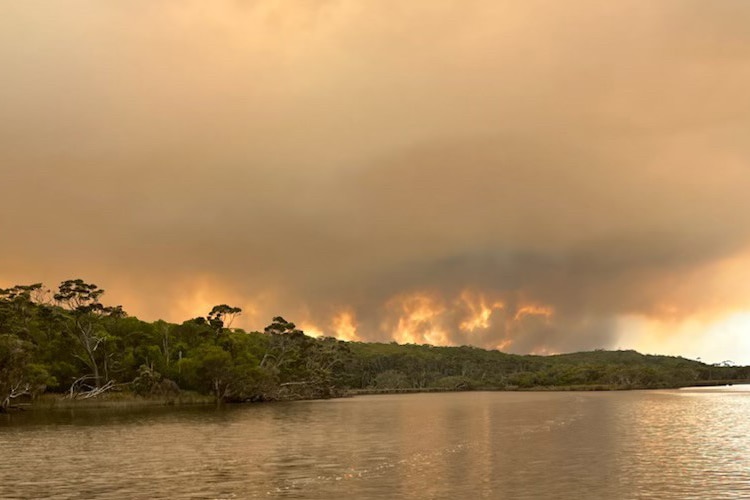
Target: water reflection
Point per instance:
(662, 444)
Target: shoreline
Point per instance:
(122, 400)
(53, 402)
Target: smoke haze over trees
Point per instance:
(553, 176)
(68, 342)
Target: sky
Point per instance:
(536, 176)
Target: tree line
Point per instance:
(70, 343)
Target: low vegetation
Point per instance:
(69, 344)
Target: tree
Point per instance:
(222, 316)
(391, 379)
(216, 371)
(164, 330)
(18, 307)
(303, 366)
(285, 340)
(19, 376)
(85, 314)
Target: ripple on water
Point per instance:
(662, 444)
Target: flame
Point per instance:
(424, 317)
(504, 344)
(311, 329)
(345, 326)
(533, 310)
(543, 351)
(479, 310)
(342, 325)
(418, 319)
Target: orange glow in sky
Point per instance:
(532, 175)
(345, 326)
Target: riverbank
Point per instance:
(124, 400)
(557, 388)
(129, 400)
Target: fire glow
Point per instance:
(428, 318)
(345, 326)
(417, 319)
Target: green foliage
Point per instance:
(391, 379)
(19, 375)
(222, 314)
(74, 340)
(455, 383)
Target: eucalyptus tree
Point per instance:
(18, 308)
(285, 341)
(21, 373)
(220, 317)
(84, 314)
(303, 365)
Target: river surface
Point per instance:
(688, 443)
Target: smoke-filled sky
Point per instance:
(535, 176)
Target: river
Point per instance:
(688, 443)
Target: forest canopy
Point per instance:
(68, 342)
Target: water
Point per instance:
(660, 444)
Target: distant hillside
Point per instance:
(412, 366)
(624, 357)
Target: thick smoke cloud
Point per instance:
(505, 174)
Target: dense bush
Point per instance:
(69, 342)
